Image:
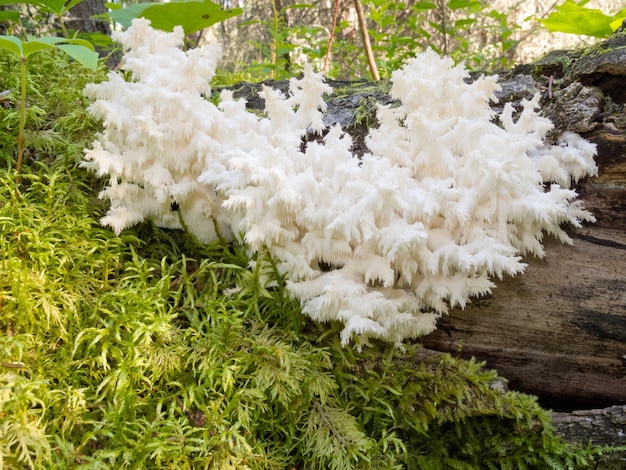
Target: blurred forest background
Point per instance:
(484, 35)
(274, 38)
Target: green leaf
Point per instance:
(424, 6)
(458, 24)
(248, 23)
(12, 44)
(31, 47)
(192, 16)
(618, 19)
(113, 6)
(100, 40)
(54, 40)
(10, 16)
(458, 4)
(573, 18)
(79, 49)
(125, 16)
(81, 54)
(57, 7)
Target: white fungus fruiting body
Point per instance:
(445, 199)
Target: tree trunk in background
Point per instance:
(81, 17)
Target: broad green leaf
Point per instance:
(31, 47)
(424, 6)
(458, 24)
(97, 39)
(192, 16)
(496, 15)
(10, 16)
(618, 19)
(81, 54)
(54, 40)
(60, 6)
(79, 49)
(125, 16)
(57, 7)
(458, 4)
(49, 40)
(575, 19)
(12, 44)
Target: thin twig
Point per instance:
(366, 40)
(13, 365)
(332, 37)
(443, 27)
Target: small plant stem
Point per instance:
(332, 36)
(366, 40)
(442, 3)
(63, 28)
(275, 24)
(20, 137)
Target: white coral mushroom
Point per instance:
(445, 200)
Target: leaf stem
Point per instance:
(20, 137)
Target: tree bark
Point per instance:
(605, 426)
(82, 20)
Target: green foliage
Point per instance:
(153, 351)
(48, 98)
(12, 16)
(448, 27)
(574, 18)
(80, 50)
(449, 413)
(193, 16)
(58, 8)
(468, 30)
(278, 63)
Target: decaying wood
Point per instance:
(606, 426)
(558, 331)
(602, 427)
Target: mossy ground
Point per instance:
(150, 350)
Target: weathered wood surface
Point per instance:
(605, 426)
(558, 331)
